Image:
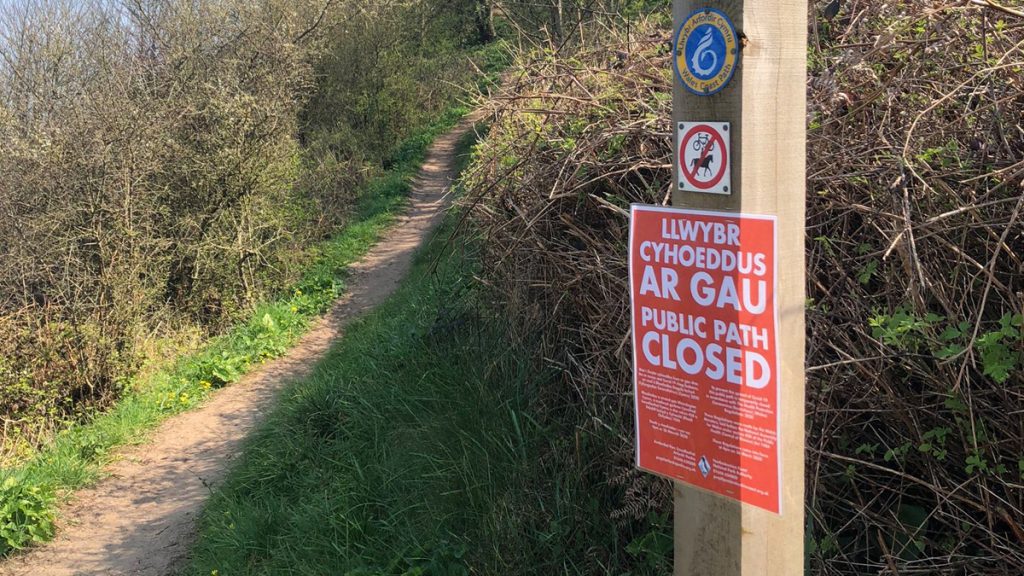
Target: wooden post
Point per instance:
(766, 105)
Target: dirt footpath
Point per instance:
(141, 520)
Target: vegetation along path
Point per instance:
(141, 519)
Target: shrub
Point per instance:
(914, 244)
(26, 515)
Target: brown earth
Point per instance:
(141, 519)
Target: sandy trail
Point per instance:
(141, 519)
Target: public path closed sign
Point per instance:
(705, 356)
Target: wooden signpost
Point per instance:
(718, 293)
(765, 105)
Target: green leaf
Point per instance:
(868, 272)
(955, 404)
(268, 322)
(951, 333)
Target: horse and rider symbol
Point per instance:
(704, 157)
(706, 147)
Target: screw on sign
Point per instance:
(704, 157)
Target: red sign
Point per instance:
(705, 355)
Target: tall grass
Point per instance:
(416, 447)
(30, 492)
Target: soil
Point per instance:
(141, 519)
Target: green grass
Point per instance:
(29, 493)
(417, 447)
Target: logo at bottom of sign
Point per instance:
(704, 157)
(704, 466)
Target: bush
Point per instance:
(915, 238)
(551, 195)
(26, 515)
(150, 188)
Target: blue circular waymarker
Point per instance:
(706, 51)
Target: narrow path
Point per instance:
(141, 520)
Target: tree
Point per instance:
(484, 19)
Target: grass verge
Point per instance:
(30, 493)
(417, 447)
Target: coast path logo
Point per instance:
(706, 52)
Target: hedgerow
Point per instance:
(915, 448)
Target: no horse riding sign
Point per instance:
(704, 157)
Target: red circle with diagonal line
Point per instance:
(716, 142)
